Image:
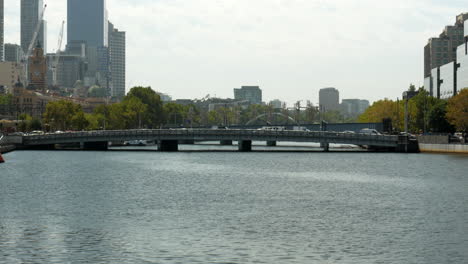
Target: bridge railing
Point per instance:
(245, 134)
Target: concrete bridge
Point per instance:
(168, 139)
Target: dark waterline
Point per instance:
(230, 207)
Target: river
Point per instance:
(231, 207)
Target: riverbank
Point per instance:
(7, 148)
(444, 148)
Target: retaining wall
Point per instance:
(444, 148)
(428, 139)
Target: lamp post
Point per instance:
(407, 96)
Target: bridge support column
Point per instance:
(325, 146)
(271, 143)
(226, 142)
(42, 147)
(168, 145)
(187, 142)
(100, 145)
(245, 145)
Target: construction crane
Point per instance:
(56, 59)
(31, 46)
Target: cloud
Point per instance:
(291, 48)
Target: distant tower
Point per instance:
(1, 30)
(329, 99)
(87, 23)
(38, 69)
(117, 61)
(30, 12)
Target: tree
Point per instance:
(35, 124)
(64, 115)
(174, 113)
(457, 111)
(154, 116)
(6, 99)
(134, 111)
(384, 109)
(437, 118)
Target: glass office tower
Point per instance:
(30, 12)
(87, 21)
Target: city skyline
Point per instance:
(291, 49)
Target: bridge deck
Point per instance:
(212, 135)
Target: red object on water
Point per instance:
(1, 159)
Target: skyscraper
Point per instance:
(30, 12)
(1, 30)
(329, 99)
(87, 21)
(253, 94)
(117, 61)
(13, 53)
(442, 50)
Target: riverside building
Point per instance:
(446, 60)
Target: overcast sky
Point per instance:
(368, 49)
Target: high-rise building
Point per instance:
(30, 12)
(70, 69)
(253, 94)
(447, 77)
(117, 61)
(87, 21)
(354, 107)
(88, 24)
(1, 30)
(13, 53)
(276, 104)
(442, 50)
(329, 99)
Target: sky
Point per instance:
(367, 49)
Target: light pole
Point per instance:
(407, 96)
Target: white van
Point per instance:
(369, 131)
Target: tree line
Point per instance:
(143, 108)
(426, 114)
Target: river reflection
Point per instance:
(230, 207)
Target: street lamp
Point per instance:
(407, 96)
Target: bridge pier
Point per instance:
(407, 145)
(168, 145)
(325, 146)
(271, 143)
(43, 147)
(187, 142)
(245, 145)
(100, 145)
(226, 142)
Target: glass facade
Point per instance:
(466, 28)
(447, 77)
(30, 12)
(447, 73)
(462, 73)
(87, 21)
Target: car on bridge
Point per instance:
(369, 131)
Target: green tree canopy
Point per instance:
(457, 111)
(154, 115)
(64, 115)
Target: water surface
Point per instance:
(230, 207)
